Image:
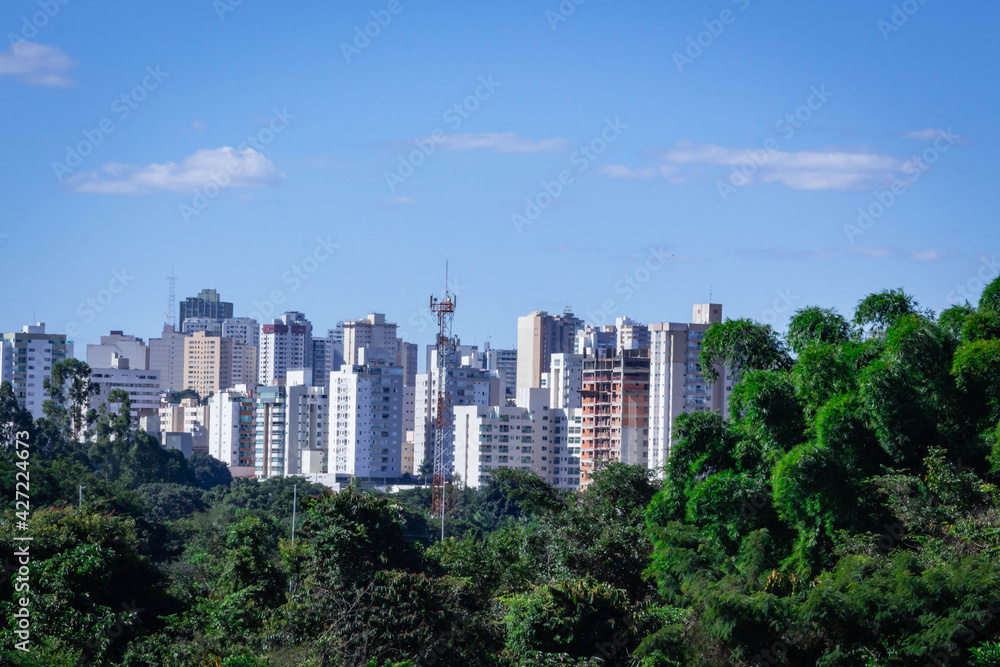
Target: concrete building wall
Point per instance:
(129, 347)
(26, 359)
(142, 387)
(166, 355)
(677, 384)
(285, 343)
(373, 333)
(539, 336)
(208, 363)
(367, 420)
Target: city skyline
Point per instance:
(547, 167)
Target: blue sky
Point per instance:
(311, 132)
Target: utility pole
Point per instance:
(295, 502)
(81, 495)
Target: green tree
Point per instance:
(742, 346)
(13, 418)
(210, 471)
(990, 298)
(880, 310)
(69, 390)
(812, 325)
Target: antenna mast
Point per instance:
(171, 300)
(444, 444)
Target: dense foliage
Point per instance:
(842, 513)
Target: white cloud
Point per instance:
(224, 166)
(396, 202)
(36, 64)
(832, 169)
(932, 134)
(866, 252)
(622, 172)
(498, 142)
(827, 169)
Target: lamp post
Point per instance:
(295, 499)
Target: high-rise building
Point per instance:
(631, 335)
(189, 417)
(615, 398)
(327, 357)
(406, 358)
(466, 385)
(591, 340)
(677, 384)
(292, 427)
(128, 347)
(244, 329)
(406, 461)
(565, 380)
(366, 420)
(208, 363)
(244, 365)
(209, 325)
(505, 363)
(372, 333)
(245, 332)
(166, 354)
(528, 436)
(231, 437)
(567, 471)
(539, 336)
(206, 304)
(141, 385)
(409, 408)
(26, 359)
(285, 344)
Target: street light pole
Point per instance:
(295, 501)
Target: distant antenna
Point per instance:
(444, 445)
(169, 315)
(710, 292)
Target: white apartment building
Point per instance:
(166, 354)
(291, 427)
(676, 382)
(373, 333)
(26, 359)
(128, 347)
(366, 420)
(564, 381)
(529, 436)
(595, 340)
(466, 385)
(231, 436)
(631, 335)
(504, 362)
(285, 344)
(186, 417)
(244, 329)
(141, 385)
(567, 470)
